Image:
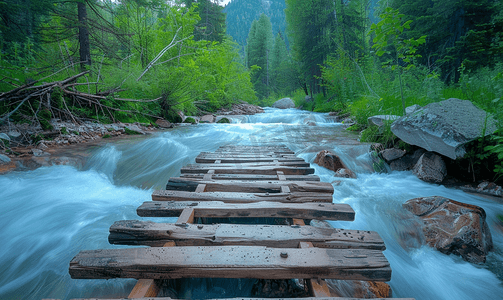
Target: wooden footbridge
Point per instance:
(233, 184)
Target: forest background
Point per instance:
(137, 60)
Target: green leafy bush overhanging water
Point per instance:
(145, 65)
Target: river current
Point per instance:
(49, 214)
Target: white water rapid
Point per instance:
(48, 215)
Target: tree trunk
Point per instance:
(85, 49)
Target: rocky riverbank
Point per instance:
(27, 147)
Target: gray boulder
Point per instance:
(392, 154)
(444, 127)
(411, 109)
(4, 159)
(208, 119)
(4, 136)
(430, 168)
(284, 103)
(379, 120)
(163, 123)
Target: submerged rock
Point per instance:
(332, 162)
(358, 289)
(284, 103)
(444, 127)
(453, 227)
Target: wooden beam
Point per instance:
(134, 232)
(231, 262)
(318, 287)
(254, 177)
(147, 287)
(186, 217)
(190, 185)
(219, 209)
(296, 197)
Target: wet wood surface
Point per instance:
(263, 169)
(252, 177)
(219, 209)
(296, 197)
(134, 232)
(241, 298)
(231, 262)
(273, 186)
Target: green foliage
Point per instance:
(64, 130)
(44, 118)
(190, 120)
(388, 33)
(130, 132)
(106, 136)
(223, 121)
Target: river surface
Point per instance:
(49, 214)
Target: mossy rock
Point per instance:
(130, 132)
(224, 120)
(190, 120)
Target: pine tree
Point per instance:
(258, 51)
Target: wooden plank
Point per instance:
(231, 262)
(297, 197)
(301, 164)
(248, 169)
(249, 159)
(281, 176)
(253, 177)
(134, 232)
(190, 185)
(241, 154)
(241, 298)
(218, 209)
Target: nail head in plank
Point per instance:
(230, 262)
(263, 209)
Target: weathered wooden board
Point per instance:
(231, 262)
(218, 209)
(134, 232)
(309, 298)
(247, 169)
(187, 184)
(210, 166)
(299, 197)
(247, 159)
(252, 177)
(241, 154)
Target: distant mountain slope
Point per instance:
(241, 13)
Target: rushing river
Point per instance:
(48, 215)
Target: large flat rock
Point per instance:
(444, 127)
